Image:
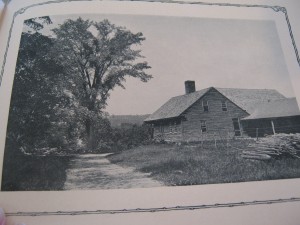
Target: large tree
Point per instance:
(36, 94)
(96, 57)
(39, 111)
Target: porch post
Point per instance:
(241, 127)
(181, 130)
(273, 127)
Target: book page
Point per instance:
(152, 112)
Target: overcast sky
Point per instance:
(213, 52)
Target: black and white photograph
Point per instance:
(120, 101)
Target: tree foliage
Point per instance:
(97, 57)
(37, 23)
(37, 92)
(62, 83)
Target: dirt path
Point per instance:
(94, 171)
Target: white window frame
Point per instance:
(224, 103)
(205, 105)
(203, 126)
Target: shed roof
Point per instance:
(247, 99)
(274, 109)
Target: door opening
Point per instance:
(236, 126)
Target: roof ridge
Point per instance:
(254, 89)
(248, 88)
(282, 99)
(192, 92)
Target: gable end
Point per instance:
(207, 92)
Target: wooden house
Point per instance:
(215, 113)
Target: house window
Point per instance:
(205, 106)
(175, 127)
(161, 129)
(203, 126)
(170, 128)
(224, 106)
(157, 128)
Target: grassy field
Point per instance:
(195, 164)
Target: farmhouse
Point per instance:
(215, 113)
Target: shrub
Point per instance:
(130, 136)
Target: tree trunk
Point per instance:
(90, 134)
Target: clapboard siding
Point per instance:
(218, 122)
(168, 131)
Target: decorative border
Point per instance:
(153, 210)
(161, 209)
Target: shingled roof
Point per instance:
(247, 99)
(274, 109)
(176, 106)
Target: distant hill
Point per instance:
(118, 120)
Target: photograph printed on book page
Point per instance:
(130, 107)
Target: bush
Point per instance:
(28, 172)
(130, 136)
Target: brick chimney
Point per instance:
(189, 86)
